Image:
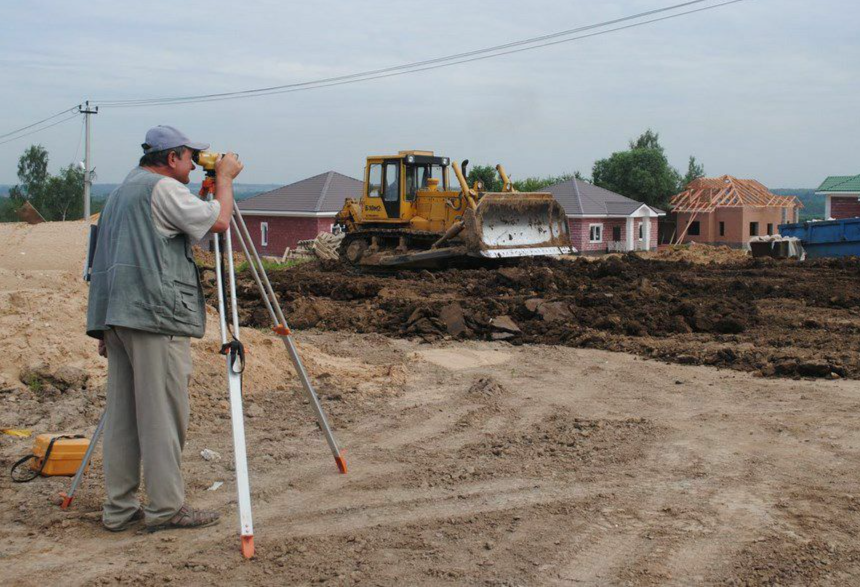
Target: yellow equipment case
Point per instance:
(53, 454)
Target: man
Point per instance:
(145, 302)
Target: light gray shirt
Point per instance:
(175, 210)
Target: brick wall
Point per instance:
(285, 231)
(844, 207)
(580, 232)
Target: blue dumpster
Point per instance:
(829, 238)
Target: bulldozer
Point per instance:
(409, 215)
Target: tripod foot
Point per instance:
(341, 463)
(67, 500)
(248, 546)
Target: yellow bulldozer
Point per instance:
(408, 215)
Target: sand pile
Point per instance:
(43, 303)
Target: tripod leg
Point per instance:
(68, 497)
(281, 328)
(234, 382)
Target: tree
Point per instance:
(32, 173)
(694, 171)
(59, 197)
(536, 184)
(64, 196)
(642, 173)
(487, 175)
(647, 140)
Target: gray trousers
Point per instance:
(147, 418)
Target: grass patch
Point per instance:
(270, 265)
(35, 383)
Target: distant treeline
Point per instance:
(813, 206)
(241, 191)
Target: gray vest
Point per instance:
(142, 279)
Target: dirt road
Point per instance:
(497, 465)
(471, 462)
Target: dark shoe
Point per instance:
(135, 517)
(187, 517)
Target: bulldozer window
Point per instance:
(392, 183)
(412, 173)
(374, 181)
(417, 176)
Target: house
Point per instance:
(842, 196)
(602, 221)
(282, 217)
(729, 211)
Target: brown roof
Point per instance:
(707, 193)
(321, 193)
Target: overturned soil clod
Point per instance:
(783, 319)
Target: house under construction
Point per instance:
(729, 211)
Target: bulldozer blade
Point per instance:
(518, 225)
(432, 255)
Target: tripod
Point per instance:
(232, 349)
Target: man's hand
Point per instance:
(102, 349)
(226, 169)
(228, 166)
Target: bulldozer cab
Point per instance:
(392, 184)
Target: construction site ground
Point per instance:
(649, 421)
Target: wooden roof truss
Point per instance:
(708, 193)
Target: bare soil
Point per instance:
(773, 318)
(471, 462)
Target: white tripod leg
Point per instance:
(234, 381)
(282, 329)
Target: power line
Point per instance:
(37, 123)
(39, 129)
(436, 63)
(415, 67)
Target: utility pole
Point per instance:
(88, 177)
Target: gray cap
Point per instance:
(161, 138)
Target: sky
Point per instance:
(763, 89)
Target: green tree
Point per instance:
(642, 173)
(647, 140)
(487, 175)
(536, 184)
(8, 210)
(63, 198)
(694, 171)
(56, 197)
(32, 174)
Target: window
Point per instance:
(392, 182)
(695, 229)
(374, 181)
(595, 233)
(769, 229)
(722, 229)
(784, 215)
(753, 228)
(264, 233)
(616, 233)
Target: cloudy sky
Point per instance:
(767, 89)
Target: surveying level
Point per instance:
(234, 352)
(207, 160)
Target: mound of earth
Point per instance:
(757, 315)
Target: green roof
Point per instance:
(840, 183)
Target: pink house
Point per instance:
(602, 221)
(299, 211)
